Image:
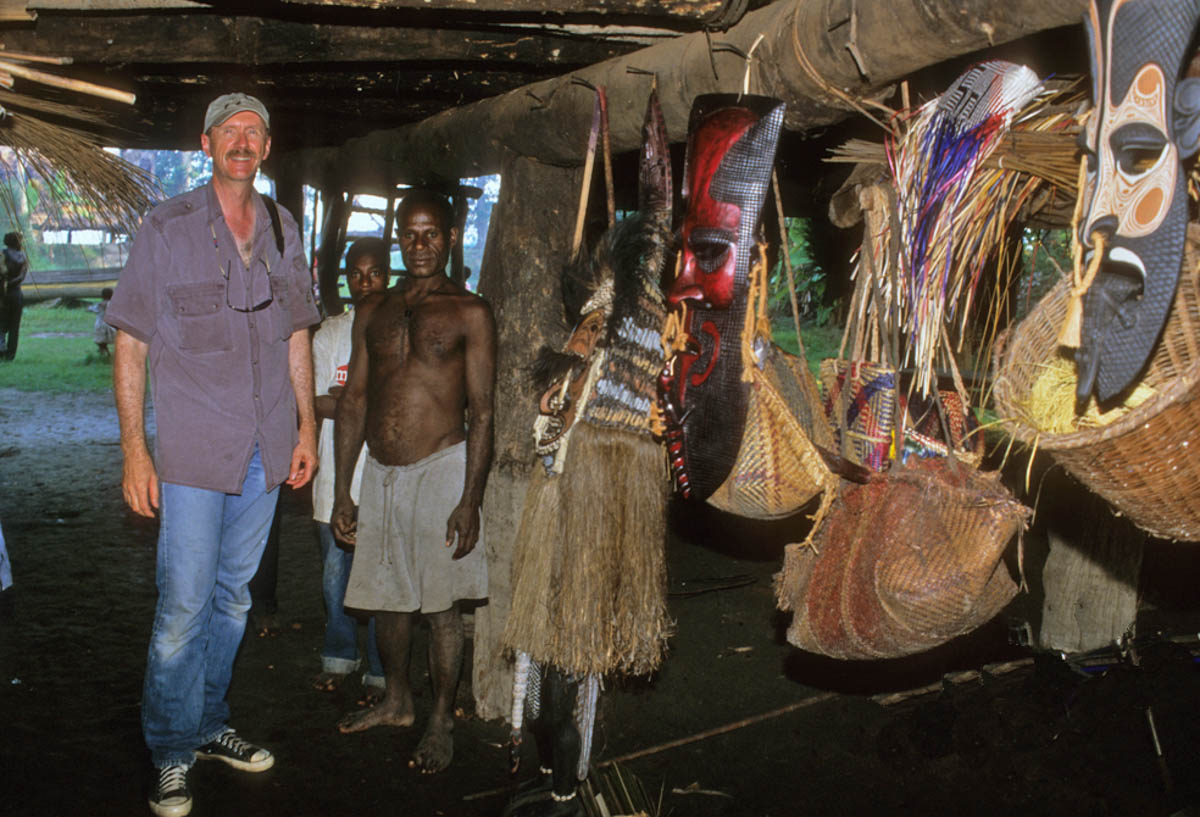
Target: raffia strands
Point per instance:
(1051, 403)
(1045, 145)
(589, 568)
(1034, 160)
(934, 165)
(82, 180)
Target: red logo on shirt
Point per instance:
(339, 377)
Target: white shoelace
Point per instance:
(231, 741)
(172, 778)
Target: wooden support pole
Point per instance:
(329, 255)
(389, 221)
(457, 272)
(1090, 578)
(521, 279)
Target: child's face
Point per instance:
(367, 275)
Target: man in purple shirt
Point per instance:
(217, 296)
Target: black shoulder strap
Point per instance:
(276, 226)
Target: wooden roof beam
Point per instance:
(211, 38)
(803, 58)
(713, 12)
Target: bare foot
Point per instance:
(436, 748)
(386, 713)
(265, 625)
(371, 695)
(328, 681)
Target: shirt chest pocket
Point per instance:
(280, 310)
(199, 314)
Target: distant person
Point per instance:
(423, 361)
(16, 267)
(6, 580)
(367, 273)
(217, 295)
(102, 333)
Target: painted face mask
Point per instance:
(731, 150)
(1135, 197)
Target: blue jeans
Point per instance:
(209, 545)
(340, 653)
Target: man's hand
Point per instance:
(139, 484)
(304, 459)
(344, 522)
(139, 480)
(463, 524)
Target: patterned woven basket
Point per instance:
(860, 398)
(1144, 464)
(860, 401)
(778, 468)
(902, 564)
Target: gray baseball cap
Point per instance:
(227, 105)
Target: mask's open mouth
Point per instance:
(1127, 268)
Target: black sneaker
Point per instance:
(237, 753)
(171, 796)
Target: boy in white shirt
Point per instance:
(367, 272)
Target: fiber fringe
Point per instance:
(589, 573)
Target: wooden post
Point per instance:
(527, 246)
(1091, 574)
(389, 221)
(459, 202)
(337, 212)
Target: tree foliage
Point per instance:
(810, 278)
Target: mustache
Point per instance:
(240, 154)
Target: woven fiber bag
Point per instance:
(1145, 463)
(903, 563)
(778, 468)
(860, 401)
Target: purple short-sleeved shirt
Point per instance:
(220, 377)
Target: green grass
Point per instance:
(69, 364)
(66, 361)
(820, 342)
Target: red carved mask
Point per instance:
(731, 151)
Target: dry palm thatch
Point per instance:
(80, 178)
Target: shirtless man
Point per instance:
(424, 352)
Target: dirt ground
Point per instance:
(1041, 739)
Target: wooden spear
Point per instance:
(66, 83)
(588, 164)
